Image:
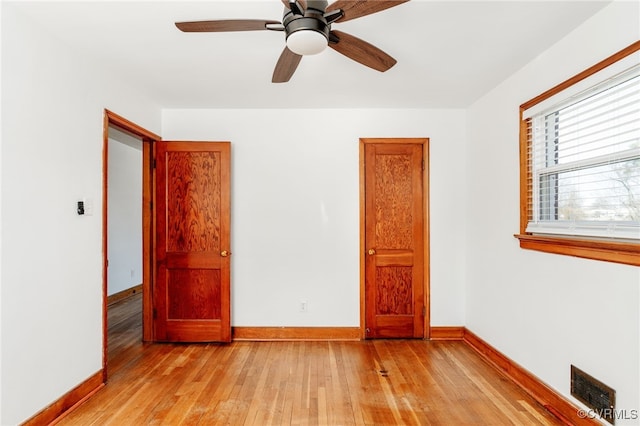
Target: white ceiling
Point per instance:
(449, 53)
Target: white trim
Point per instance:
(629, 154)
(603, 229)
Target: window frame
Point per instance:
(625, 252)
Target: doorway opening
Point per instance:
(124, 243)
(129, 144)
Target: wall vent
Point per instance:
(594, 394)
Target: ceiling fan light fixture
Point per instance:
(307, 42)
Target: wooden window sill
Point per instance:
(610, 251)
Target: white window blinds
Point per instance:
(584, 161)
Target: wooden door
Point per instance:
(394, 240)
(192, 294)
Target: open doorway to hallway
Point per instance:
(124, 242)
(127, 258)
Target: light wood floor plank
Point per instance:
(373, 382)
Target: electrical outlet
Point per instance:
(304, 306)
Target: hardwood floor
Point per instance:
(373, 382)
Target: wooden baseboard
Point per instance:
(555, 403)
(124, 294)
(76, 396)
(296, 333)
(446, 333)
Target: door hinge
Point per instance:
(155, 313)
(423, 164)
(151, 205)
(154, 163)
(424, 311)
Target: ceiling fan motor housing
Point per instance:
(303, 31)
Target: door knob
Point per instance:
(224, 253)
(372, 252)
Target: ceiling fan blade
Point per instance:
(356, 9)
(360, 51)
(286, 66)
(225, 25)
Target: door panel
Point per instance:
(192, 295)
(394, 240)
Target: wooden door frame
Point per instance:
(425, 181)
(148, 138)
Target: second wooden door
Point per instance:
(394, 198)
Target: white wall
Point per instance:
(51, 282)
(547, 311)
(295, 207)
(295, 219)
(124, 243)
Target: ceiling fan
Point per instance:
(307, 26)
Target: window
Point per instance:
(580, 164)
(585, 163)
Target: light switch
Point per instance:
(85, 207)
